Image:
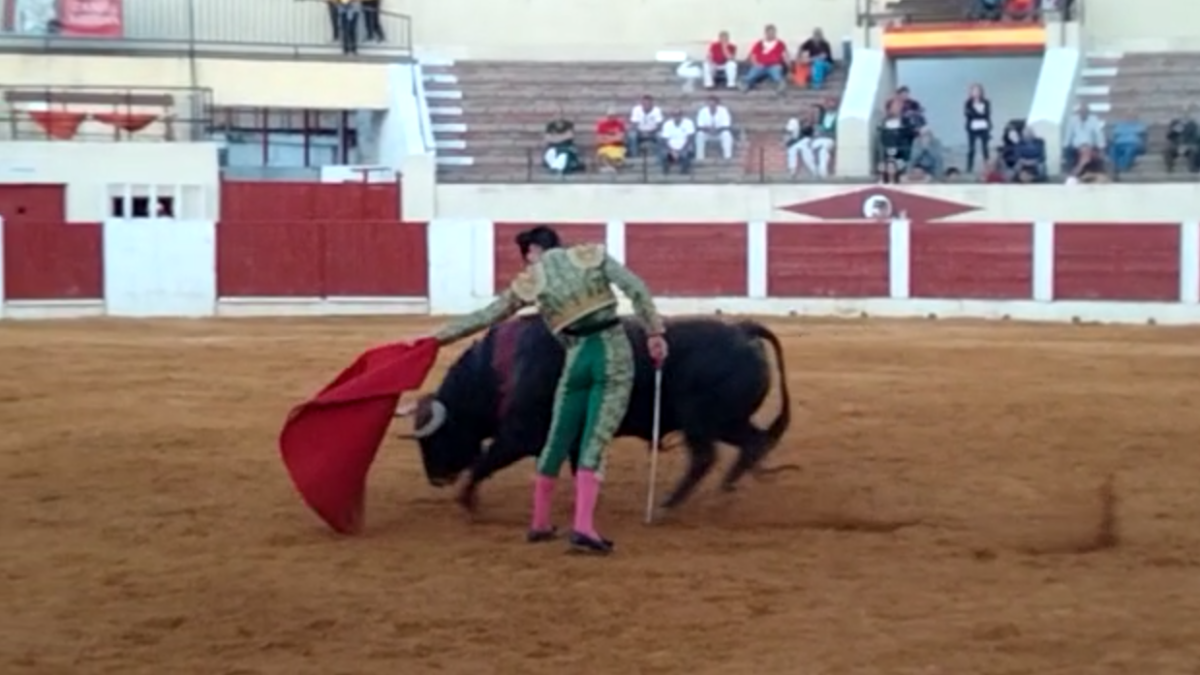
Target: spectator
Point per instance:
(678, 142)
(768, 61)
(1021, 10)
(890, 172)
(1128, 143)
(371, 20)
(344, 16)
(1089, 167)
(911, 109)
(977, 115)
(1031, 157)
(824, 138)
(814, 60)
(610, 142)
(993, 172)
(561, 156)
(927, 153)
(721, 60)
(953, 174)
(1083, 128)
(915, 174)
(713, 123)
(895, 133)
(1009, 140)
(646, 119)
(1183, 140)
(797, 137)
(986, 10)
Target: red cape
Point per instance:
(328, 443)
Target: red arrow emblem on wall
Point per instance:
(880, 203)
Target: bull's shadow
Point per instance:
(495, 403)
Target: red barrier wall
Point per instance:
(314, 259)
(692, 260)
(294, 202)
(52, 260)
(971, 261)
(42, 203)
(1116, 262)
(827, 261)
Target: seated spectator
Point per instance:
(678, 142)
(1183, 140)
(1089, 167)
(952, 175)
(814, 60)
(890, 171)
(977, 116)
(1021, 10)
(986, 10)
(1128, 143)
(1030, 154)
(768, 61)
(927, 153)
(1083, 128)
(895, 133)
(797, 137)
(915, 174)
(610, 142)
(911, 109)
(721, 60)
(1009, 139)
(646, 119)
(561, 155)
(993, 172)
(714, 123)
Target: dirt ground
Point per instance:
(951, 517)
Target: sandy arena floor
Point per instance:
(950, 518)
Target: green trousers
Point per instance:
(591, 400)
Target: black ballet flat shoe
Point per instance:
(581, 543)
(539, 536)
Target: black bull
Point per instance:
(502, 388)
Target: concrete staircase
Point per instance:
(1153, 88)
(506, 105)
(444, 97)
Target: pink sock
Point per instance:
(543, 493)
(587, 493)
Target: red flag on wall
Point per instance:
(90, 18)
(329, 443)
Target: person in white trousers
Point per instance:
(810, 139)
(713, 123)
(721, 58)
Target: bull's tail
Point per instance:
(779, 426)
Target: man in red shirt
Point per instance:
(768, 60)
(722, 58)
(610, 141)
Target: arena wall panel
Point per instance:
(21, 202)
(299, 201)
(1124, 272)
(691, 260)
(508, 259)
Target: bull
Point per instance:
(502, 388)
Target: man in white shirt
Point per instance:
(1083, 128)
(713, 123)
(645, 121)
(678, 142)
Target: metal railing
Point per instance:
(270, 28)
(110, 114)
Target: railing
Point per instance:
(112, 114)
(290, 28)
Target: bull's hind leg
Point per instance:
(752, 447)
(702, 456)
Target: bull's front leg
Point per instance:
(499, 454)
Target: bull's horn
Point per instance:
(437, 417)
(405, 409)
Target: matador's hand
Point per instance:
(657, 345)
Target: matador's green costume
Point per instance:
(572, 288)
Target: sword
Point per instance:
(655, 443)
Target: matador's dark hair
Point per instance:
(542, 236)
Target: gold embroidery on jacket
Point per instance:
(586, 256)
(529, 283)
